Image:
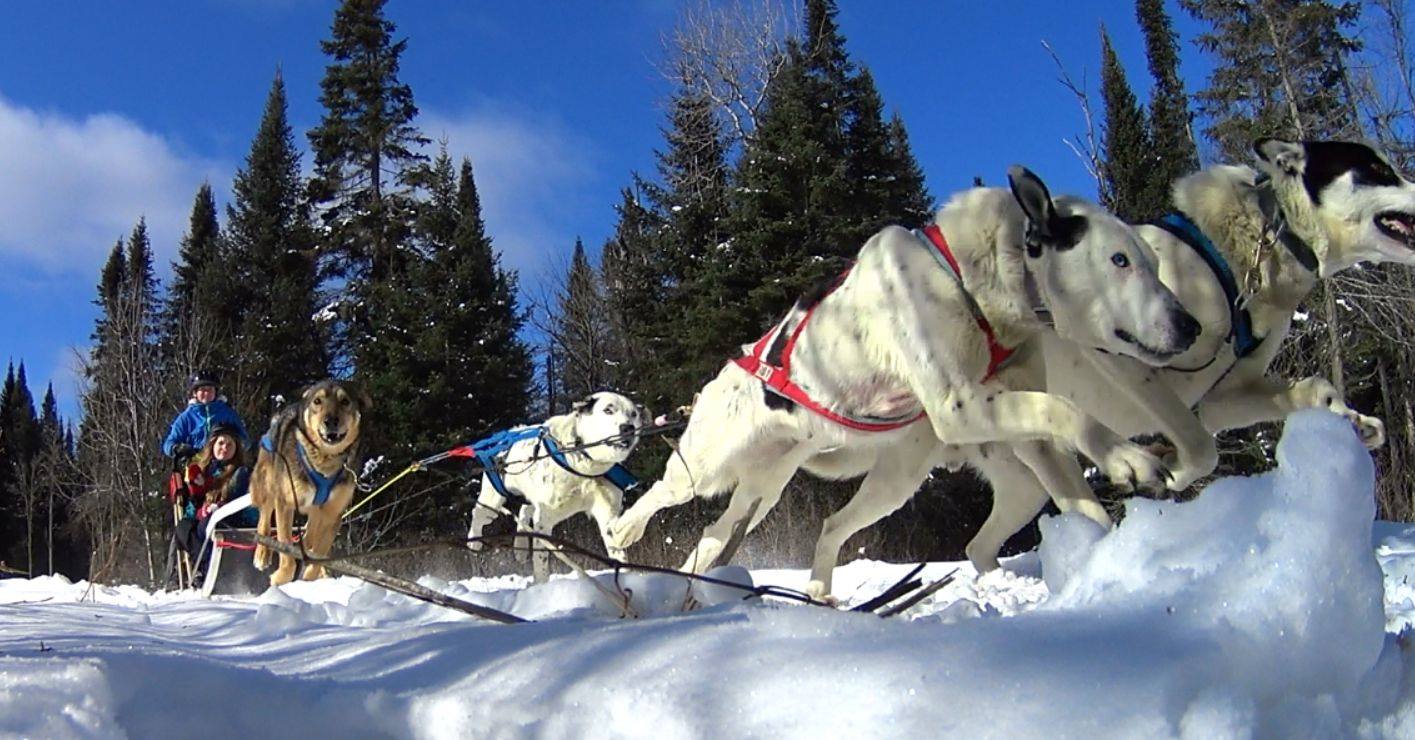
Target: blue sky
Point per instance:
(112, 111)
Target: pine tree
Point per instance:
(581, 333)
(20, 441)
(1171, 134)
(450, 366)
(1127, 163)
(889, 184)
(1279, 70)
(366, 157)
(196, 316)
(110, 285)
(636, 290)
(278, 347)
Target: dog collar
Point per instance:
(1240, 330)
(1274, 215)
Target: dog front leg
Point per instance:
(261, 557)
(1272, 399)
(1196, 450)
(319, 540)
(284, 524)
(489, 503)
(1019, 416)
(1017, 497)
(608, 502)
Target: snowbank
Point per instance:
(1255, 610)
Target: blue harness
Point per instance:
(1241, 323)
(618, 475)
(487, 450)
(323, 485)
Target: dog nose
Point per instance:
(1187, 327)
(626, 428)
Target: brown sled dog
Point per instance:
(307, 463)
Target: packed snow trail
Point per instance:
(1263, 608)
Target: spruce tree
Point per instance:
(1279, 70)
(450, 364)
(1127, 158)
(366, 158)
(19, 445)
(195, 316)
(1171, 134)
(581, 334)
(279, 347)
(634, 275)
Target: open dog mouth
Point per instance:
(1398, 226)
(331, 437)
(1130, 339)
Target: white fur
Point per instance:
(896, 336)
(1229, 393)
(554, 493)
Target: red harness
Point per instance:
(778, 379)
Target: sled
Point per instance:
(231, 571)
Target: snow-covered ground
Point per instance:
(1267, 607)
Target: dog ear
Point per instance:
(1045, 227)
(584, 405)
(361, 395)
(1289, 157)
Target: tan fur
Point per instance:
(281, 487)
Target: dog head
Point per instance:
(608, 416)
(1343, 199)
(1097, 277)
(330, 413)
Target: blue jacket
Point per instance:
(195, 422)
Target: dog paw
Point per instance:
(1371, 430)
(820, 591)
(261, 558)
(1130, 466)
(282, 576)
(623, 532)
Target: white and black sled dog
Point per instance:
(1242, 250)
(568, 465)
(903, 352)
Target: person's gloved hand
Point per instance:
(182, 450)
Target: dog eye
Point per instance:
(608, 409)
(1120, 260)
(318, 401)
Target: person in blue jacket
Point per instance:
(204, 411)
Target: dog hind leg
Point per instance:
(895, 477)
(756, 494)
(1017, 497)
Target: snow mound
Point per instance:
(1263, 590)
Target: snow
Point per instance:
(1267, 607)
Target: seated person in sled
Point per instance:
(217, 473)
(205, 410)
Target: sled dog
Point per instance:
(565, 471)
(306, 464)
(1309, 210)
(907, 336)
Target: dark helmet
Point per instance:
(222, 427)
(201, 378)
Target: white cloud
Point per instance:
(533, 174)
(70, 187)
